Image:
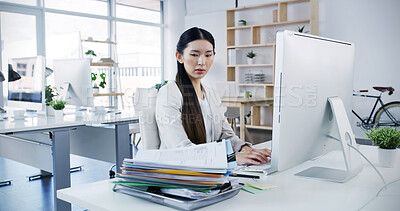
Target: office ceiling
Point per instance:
(153, 5)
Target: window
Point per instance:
(145, 10)
(96, 7)
(25, 2)
(138, 28)
(65, 42)
(139, 56)
(18, 39)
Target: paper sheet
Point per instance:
(210, 155)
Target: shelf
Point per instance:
(98, 41)
(281, 15)
(260, 127)
(269, 24)
(254, 7)
(103, 64)
(239, 27)
(266, 5)
(251, 46)
(262, 85)
(108, 94)
(251, 65)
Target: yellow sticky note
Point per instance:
(260, 185)
(252, 190)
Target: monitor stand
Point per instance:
(67, 93)
(351, 159)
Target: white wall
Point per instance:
(374, 27)
(175, 11)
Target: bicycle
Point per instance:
(388, 115)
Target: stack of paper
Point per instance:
(192, 172)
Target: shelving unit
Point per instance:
(111, 74)
(263, 21)
(102, 64)
(108, 94)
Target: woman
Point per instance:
(189, 113)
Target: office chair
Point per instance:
(144, 102)
(233, 114)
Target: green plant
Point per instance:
(49, 94)
(90, 53)
(301, 29)
(251, 54)
(248, 115)
(94, 78)
(244, 22)
(58, 104)
(103, 80)
(158, 86)
(385, 137)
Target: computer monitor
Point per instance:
(312, 97)
(74, 76)
(28, 91)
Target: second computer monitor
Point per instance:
(26, 83)
(74, 75)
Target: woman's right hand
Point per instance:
(254, 157)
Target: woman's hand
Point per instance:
(248, 155)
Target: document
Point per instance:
(211, 155)
(187, 193)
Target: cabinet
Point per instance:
(258, 35)
(109, 66)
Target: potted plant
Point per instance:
(58, 106)
(242, 22)
(49, 95)
(301, 29)
(388, 139)
(247, 118)
(103, 80)
(158, 86)
(95, 86)
(90, 53)
(250, 56)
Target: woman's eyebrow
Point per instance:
(197, 51)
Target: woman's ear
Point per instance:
(179, 57)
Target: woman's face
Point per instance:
(197, 58)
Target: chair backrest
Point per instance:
(144, 103)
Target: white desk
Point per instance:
(59, 147)
(292, 192)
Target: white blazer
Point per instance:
(168, 116)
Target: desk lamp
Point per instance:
(2, 77)
(12, 75)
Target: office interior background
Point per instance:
(147, 32)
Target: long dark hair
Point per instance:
(192, 118)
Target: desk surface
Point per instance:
(35, 153)
(34, 122)
(292, 192)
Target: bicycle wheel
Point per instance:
(388, 115)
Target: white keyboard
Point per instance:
(262, 168)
